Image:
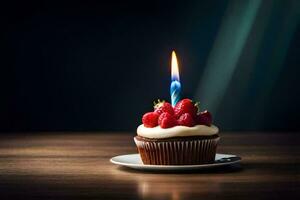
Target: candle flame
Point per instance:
(174, 69)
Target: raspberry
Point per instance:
(150, 119)
(185, 106)
(204, 118)
(186, 120)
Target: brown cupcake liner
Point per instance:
(181, 152)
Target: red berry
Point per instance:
(186, 120)
(162, 116)
(185, 106)
(204, 118)
(150, 119)
(166, 120)
(161, 107)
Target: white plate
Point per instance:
(134, 161)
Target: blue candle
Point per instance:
(175, 87)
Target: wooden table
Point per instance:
(76, 166)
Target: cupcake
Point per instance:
(179, 135)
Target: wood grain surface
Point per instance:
(76, 166)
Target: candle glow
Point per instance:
(175, 87)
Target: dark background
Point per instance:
(94, 65)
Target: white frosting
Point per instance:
(176, 131)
